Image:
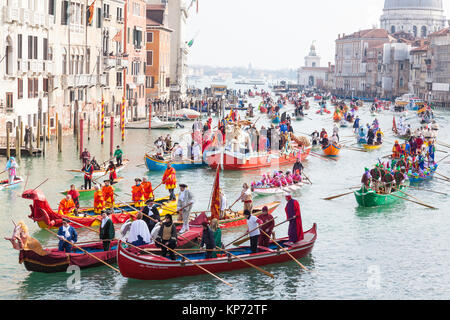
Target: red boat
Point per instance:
(57, 261)
(138, 265)
(232, 161)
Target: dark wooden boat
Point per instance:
(57, 261)
(138, 265)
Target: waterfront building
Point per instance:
(417, 17)
(420, 65)
(439, 76)
(158, 53)
(395, 70)
(312, 75)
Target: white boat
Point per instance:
(156, 124)
(277, 190)
(187, 113)
(6, 185)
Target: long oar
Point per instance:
(442, 176)
(104, 262)
(195, 264)
(41, 184)
(245, 261)
(427, 190)
(3, 172)
(235, 242)
(338, 196)
(443, 159)
(287, 252)
(307, 177)
(422, 204)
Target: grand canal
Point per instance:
(398, 252)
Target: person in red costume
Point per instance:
(292, 209)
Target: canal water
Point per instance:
(399, 252)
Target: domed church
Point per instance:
(417, 17)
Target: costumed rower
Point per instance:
(184, 206)
(107, 232)
(267, 227)
(167, 235)
(170, 180)
(88, 171)
(99, 200)
(365, 180)
(11, 167)
(148, 190)
(73, 192)
(137, 193)
(252, 224)
(118, 155)
(246, 197)
(66, 205)
(151, 211)
(208, 240)
(66, 232)
(139, 233)
(108, 194)
(292, 209)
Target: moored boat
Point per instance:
(140, 266)
(154, 164)
(102, 171)
(6, 185)
(331, 150)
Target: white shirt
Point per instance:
(139, 228)
(223, 202)
(252, 223)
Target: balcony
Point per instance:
(103, 80)
(122, 64)
(11, 14)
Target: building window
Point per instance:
(423, 32)
(35, 48)
(392, 29)
(35, 87)
(150, 37)
(106, 11)
(64, 12)
(30, 47)
(9, 101)
(119, 79)
(19, 88)
(150, 58)
(415, 31)
(19, 46)
(51, 7)
(119, 14)
(30, 88)
(45, 86)
(99, 17)
(401, 82)
(45, 49)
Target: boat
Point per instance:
(89, 193)
(6, 185)
(322, 111)
(136, 265)
(57, 261)
(156, 123)
(254, 161)
(369, 198)
(238, 219)
(331, 150)
(266, 191)
(187, 114)
(372, 147)
(101, 172)
(46, 217)
(415, 177)
(154, 164)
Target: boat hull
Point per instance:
(141, 267)
(415, 178)
(371, 199)
(5, 185)
(279, 190)
(265, 160)
(331, 150)
(372, 147)
(161, 165)
(101, 172)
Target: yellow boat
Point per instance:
(372, 147)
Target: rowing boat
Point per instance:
(89, 193)
(331, 150)
(57, 261)
(369, 198)
(266, 191)
(6, 185)
(415, 177)
(238, 219)
(46, 217)
(372, 147)
(138, 265)
(154, 164)
(102, 171)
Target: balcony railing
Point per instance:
(122, 64)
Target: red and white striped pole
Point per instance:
(103, 121)
(111, 137)
(122, 118)
(150, 115)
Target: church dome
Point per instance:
(413, 4)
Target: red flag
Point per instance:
(215, 199)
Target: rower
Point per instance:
(268, 225)
(67, 236)
(107, 231)
(108, 194)
(99, 200)
(112, 172)
(376, 175)
(252, 224)
(399, 177)
(365, 180)
(95, 164)
(388, 181)
(292, 209)
(208, 240)
(118, 155)
(73, 192)
(88, 171)
(66, 205)
(170, 180)
(151, 214)
(167, 235)
(137, 193)
(246, 197)
(85, 156)
(147, 187)
(139, 234)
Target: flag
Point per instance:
(118, 37)
(90, 13)
(215, 199)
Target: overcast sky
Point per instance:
(274, 34)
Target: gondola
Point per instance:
(372, 146)
(137, 265)
(154, 164)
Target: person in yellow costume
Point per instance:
(99, 200)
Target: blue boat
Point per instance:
(161, 165)
(416, 178)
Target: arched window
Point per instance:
(401, 82)
(423, 32)
(9, 56)
(415, 31)
(392, 29)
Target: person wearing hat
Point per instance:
(99, 200)
(267, 227)
(388, 181)
(148, 189)
(88, 170)
(137, 193)
(167, 236)
(208, 240)
(184, 206)
(253, 230)
(108, 194)
(292, 209)
(66, 233)
(73, 192)
(376, 175)
(170, 180)
(365, 180)
(396, 150)
(118, 155)
(107, 232)
(151, 214)
(246, 197)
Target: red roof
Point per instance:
(421, 48)
(441, 32)
(370, 33)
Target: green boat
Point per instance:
(89, 193)
(369, 198)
